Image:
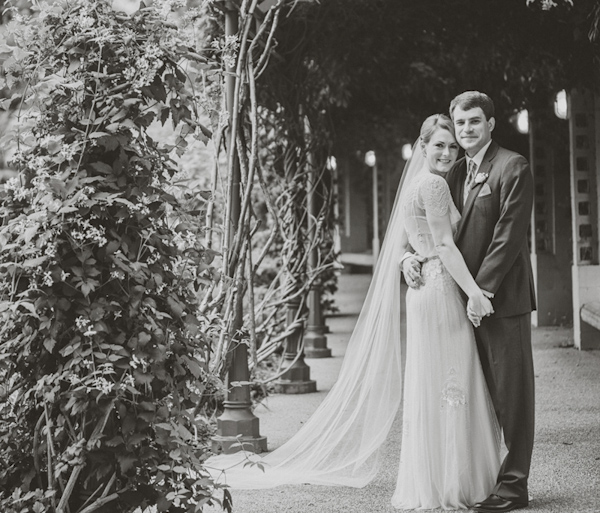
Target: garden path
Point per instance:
(565, 475)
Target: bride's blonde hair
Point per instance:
(432, 123)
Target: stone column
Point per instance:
(551, 252)
(315, 340)
(584, 128)
(296, 378)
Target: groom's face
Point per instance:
(473, 130)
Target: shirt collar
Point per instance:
(478, 159)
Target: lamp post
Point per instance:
(237, 427)
(315, 341)
(371, 161)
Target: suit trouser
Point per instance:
(504, 346)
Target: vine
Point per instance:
(104, 352)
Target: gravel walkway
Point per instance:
(565, 474)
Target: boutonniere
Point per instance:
(480, 178)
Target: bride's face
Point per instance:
(441, 151)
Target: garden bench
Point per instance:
(590, 313)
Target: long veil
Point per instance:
(341, 442)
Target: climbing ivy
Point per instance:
(103, 352)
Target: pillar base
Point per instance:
(237, 429)
(315, 343)
(232, 444)
(318, 352)
(295, 387)
(296, 378)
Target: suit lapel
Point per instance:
(485, 168)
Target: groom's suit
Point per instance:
(492, 236)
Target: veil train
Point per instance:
(341, 442)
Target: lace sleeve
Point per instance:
(435, 195)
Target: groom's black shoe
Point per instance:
(497, 504)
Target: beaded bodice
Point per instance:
(427, 193)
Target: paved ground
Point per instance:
(565, 475)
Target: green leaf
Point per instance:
(141, 378)
(163, 504)
(176, 307)
(29, 233)
(126, 462)
(67, 210)
(88, 286)
(193, 367)
(35, 262)
(164, 115)
(110, 143)
(49, 344)
(144, 338)
(227, 501)
(115, 441)
(29, 307)
(102, 167)
(70, 348)
(184, 433)
(136, 439)
(97, 313)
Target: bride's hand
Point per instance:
(478, 307)
(475, 320)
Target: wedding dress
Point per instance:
(450, 437)
(341, 442)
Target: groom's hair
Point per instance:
(471, 100)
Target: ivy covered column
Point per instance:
(237, 427)
(296, 376)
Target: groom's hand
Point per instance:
(411, 268)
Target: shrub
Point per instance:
(103, 354)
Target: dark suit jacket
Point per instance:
(492, 234)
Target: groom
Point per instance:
(493, 189)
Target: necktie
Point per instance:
(470, 175)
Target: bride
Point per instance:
(450, 438)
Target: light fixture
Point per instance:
(406, 151)
(561, 106)
(370, 158)
(523, 121)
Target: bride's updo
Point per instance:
(432, 123)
